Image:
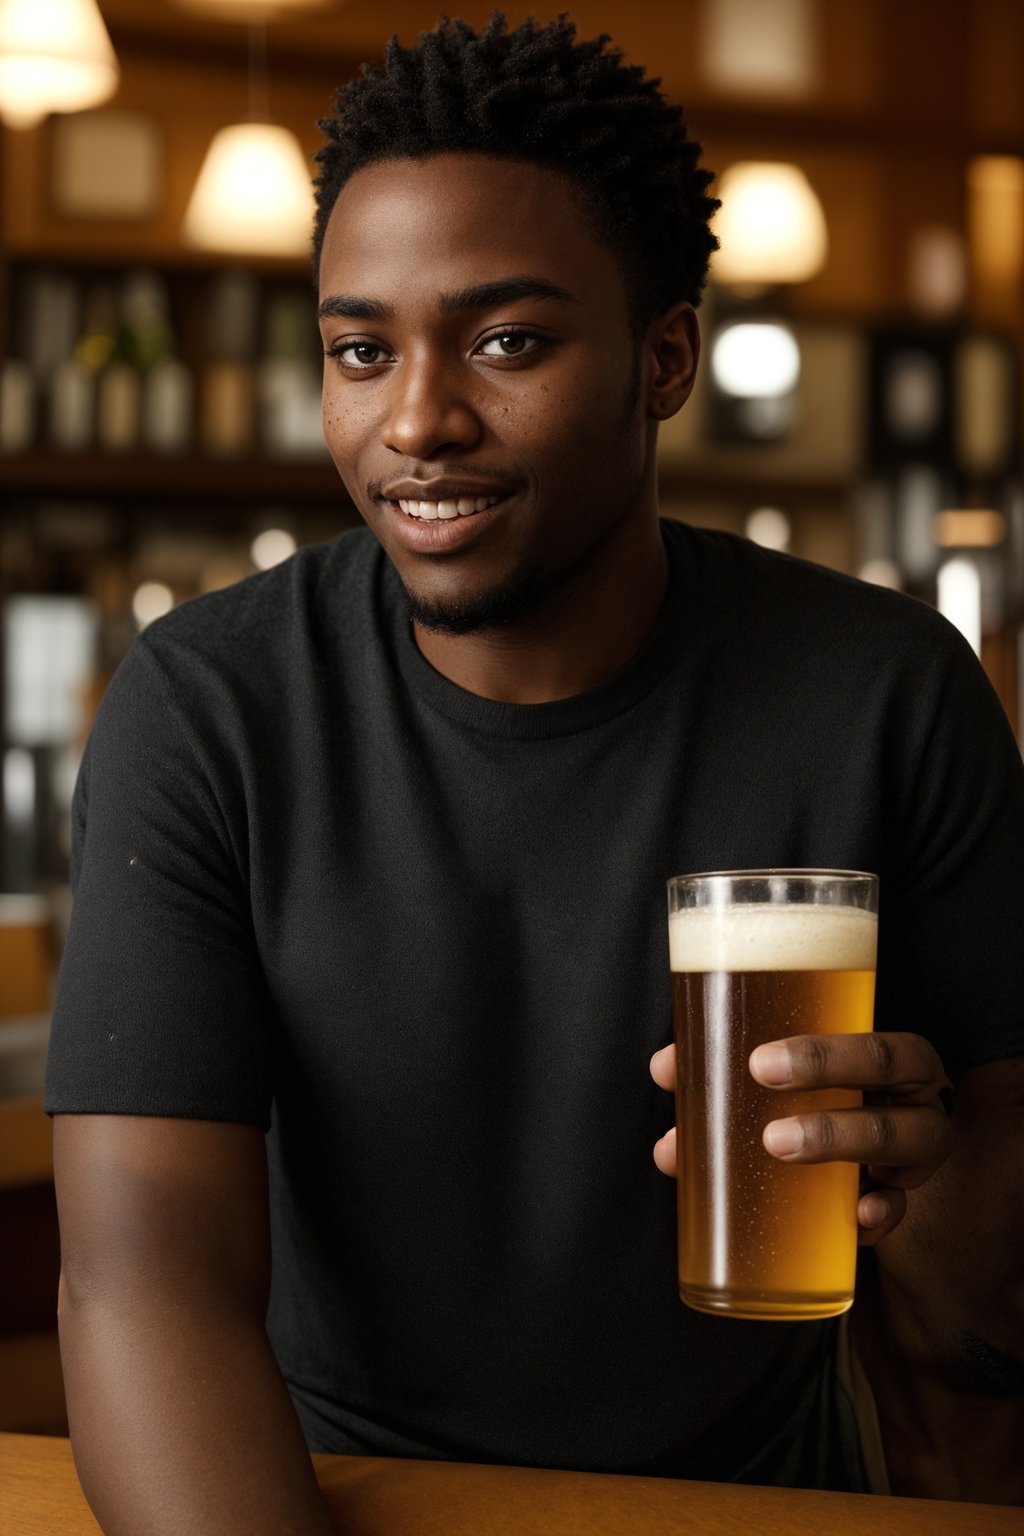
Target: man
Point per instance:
(371, 851)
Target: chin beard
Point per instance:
(484, 610)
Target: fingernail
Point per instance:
(784, 1136)
(873, 1212)
(772, 1065)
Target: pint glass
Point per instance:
(759, 955)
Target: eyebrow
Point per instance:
(504, 290)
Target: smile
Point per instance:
(432, 511)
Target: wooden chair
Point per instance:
(31, 1386)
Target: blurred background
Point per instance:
(859, 401)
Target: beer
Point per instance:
(760, 1238)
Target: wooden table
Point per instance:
(40, 1496)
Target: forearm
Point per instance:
(180, 1419)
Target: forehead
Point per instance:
(402, 227)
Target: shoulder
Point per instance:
(245, 652)
(773, 597)
(316, 586)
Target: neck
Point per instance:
(582, 633)
(942, 1440)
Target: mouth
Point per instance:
(443, 524)
(448, 509)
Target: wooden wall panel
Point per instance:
(189, 104)
(663, 35)
(995, 100)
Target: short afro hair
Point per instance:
(536, 94)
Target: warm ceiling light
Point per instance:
(971, 528)
(55, 56)
(770, 225)
(762, 47)
(254, 194)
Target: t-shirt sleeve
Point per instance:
(161, 1005)
(951, 922)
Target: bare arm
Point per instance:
(180, 1419)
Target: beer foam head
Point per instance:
(767, 937)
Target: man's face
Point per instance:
(481, 400)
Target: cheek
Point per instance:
(578, 422)
(343, 423)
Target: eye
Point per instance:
(511, 344)
(358, 354)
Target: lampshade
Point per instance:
(254, 194)
(771, 226)
(55, 56)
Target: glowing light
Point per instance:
(770, 225)
(770, 47)
(55, 56)
(271, 547)
(882, 573)
(959, 599)
(254, 194)
(937, 270)
(972, 528)
(19, 786)
(995, 193)
(769, 527)
(151, 601)
(755, 360)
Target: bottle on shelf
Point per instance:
(17, 406)
(227, 395)
(167, 394)
(74, 387)
(289, 380)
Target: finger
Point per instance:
(904, 1064)
(663, 1067)
(878, 1212)
(665, 1153)
(909, 1143)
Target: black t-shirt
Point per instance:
(421, 936)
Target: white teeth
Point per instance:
(431, 511)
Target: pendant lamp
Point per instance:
(55, 56)
(770, 225)
(254, 195)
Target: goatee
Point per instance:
(484, 610)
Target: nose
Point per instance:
(430, 413)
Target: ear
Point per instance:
(672, 351)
